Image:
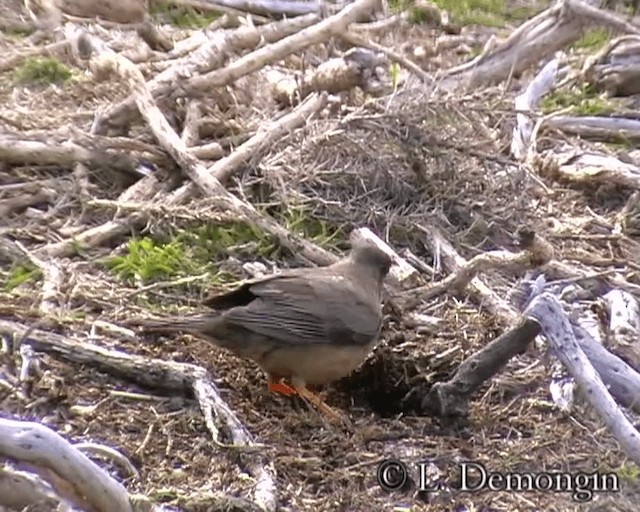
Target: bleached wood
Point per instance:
(19, 490)
(586, 167)
(203, 52)
(548, 312)
(527, 103)
(536, 39)
(163, 375)
(401, 271)
(270, 53)
(73, 475)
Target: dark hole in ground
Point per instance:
(384, 385)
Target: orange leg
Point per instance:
(277, 385)
(319, 404)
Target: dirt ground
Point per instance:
(392, 164)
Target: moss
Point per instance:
(582, 101)
(183, 16)
(42, 70)
(20, 274)
(629, 473)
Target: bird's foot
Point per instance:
(334, 416)
(277, 386)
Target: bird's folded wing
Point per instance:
(297, 311)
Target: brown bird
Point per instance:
(310, 326)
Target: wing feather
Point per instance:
(296, 310)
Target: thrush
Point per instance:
(303, 327)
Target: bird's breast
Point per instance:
(316, 364)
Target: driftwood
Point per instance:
(17, 150)
(19, 490)
(450, 399)
(276, 51)
(548, 32)
(526, 104)
(162, 375)
(118, 11)
(547, 311)
(536, 252)
(624, 325)
(616, 69)
(356, 69)
(201, 54)
(73, 476)
(590, 168)
(195, 70)
(609, 129)
(267, 7)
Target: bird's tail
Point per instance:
(194, 324)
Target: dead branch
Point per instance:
(536, 252)
(595, 282)
(622, 381)
(267, 135)
(624, 325)
(110, 454)
(548, 312)
(53, 276)
(206, 179)
(589, 168)
(526, 104)
(451, 398)
(535, 40)
(164, 375)
(616, 69)
(607, 129)
(316, 34)
(12, 61)
(20, 151)
(203, 53)
(356, 69)
(19, 202)
(117, 11)
(92, 237)
(274, 8)
(73, 475)
(19, 490)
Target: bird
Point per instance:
(304, 327)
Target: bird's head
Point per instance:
(371, 257)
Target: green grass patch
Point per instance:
(183, 16)
(42, 71)
(490, 13)
(321, 232)
(582, 101)
(21, 274)
(201, 249)
(188, 252)
(593, 39)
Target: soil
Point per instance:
(389, 164)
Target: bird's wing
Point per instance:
(243, 294)
(297, 310)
